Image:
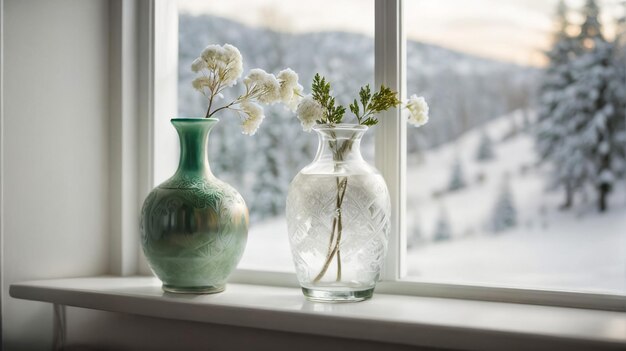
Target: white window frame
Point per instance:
(155, 77)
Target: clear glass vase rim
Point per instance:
(341, 126)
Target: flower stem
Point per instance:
(208, 111)
(338, 265)
(337, 224)
(333, 227)
(342, 184)
(222, 108)
(340, 223)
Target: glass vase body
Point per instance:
(338, 217)
(194, 227)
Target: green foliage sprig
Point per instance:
(365, 113)
(320, 90)
(380, 101)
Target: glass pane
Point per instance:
(334, 38)
(484, 209)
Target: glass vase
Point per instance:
(338, 212)
(194, 227)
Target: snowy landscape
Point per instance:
(485, 194)
(547, 248)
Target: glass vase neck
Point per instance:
(193, 134)
(339, 143)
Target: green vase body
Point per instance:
(194, 227)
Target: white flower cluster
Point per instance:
(263, 86)
(268, 89)
(309, 111)
(418, 110)
(221, 66)
(253, 119)
(290, 89)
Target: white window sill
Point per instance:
(419, 321)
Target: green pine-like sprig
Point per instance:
(365, 113)
(373, 104)
(321, 93)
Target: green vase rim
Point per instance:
(194, 119)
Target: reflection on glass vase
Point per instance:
(338, 212)
(194, 227)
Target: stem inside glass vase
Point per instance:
(334, 250)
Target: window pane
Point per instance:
(334, 38)
(484, 208)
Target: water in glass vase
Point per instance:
(338, 217)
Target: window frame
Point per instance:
(157, 75)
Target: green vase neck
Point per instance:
(194, 136)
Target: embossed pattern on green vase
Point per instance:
(194, 227)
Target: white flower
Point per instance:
(234, 65)
(255, 75)
(309, 111)
(224, 63)
(254, 117)
(288, 81)
(213, 55)
(290, 90)
(293, 103)
(418, 110)
(200, 83)
(198, 65)
(265, 86)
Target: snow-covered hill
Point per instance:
(469, 209)
(578, 249)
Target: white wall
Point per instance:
(55, 149)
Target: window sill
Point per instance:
(419, 321)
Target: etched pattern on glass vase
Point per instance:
(338, 217)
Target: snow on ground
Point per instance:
(575, 250)
(469, 209)
(578, 249)
(581, 254)
(268, 247)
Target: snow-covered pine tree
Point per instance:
(618, 95)
(620, 32)
(270, 182)
(443, 230)
(457, 177)
(590, 29)
(485, 147)
(593, 128)
(504, 213)
(271, 173)
(554, 109)
(579, 130)
(229, 153)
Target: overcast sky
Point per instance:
(511, 30)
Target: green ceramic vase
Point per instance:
(194, 227)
